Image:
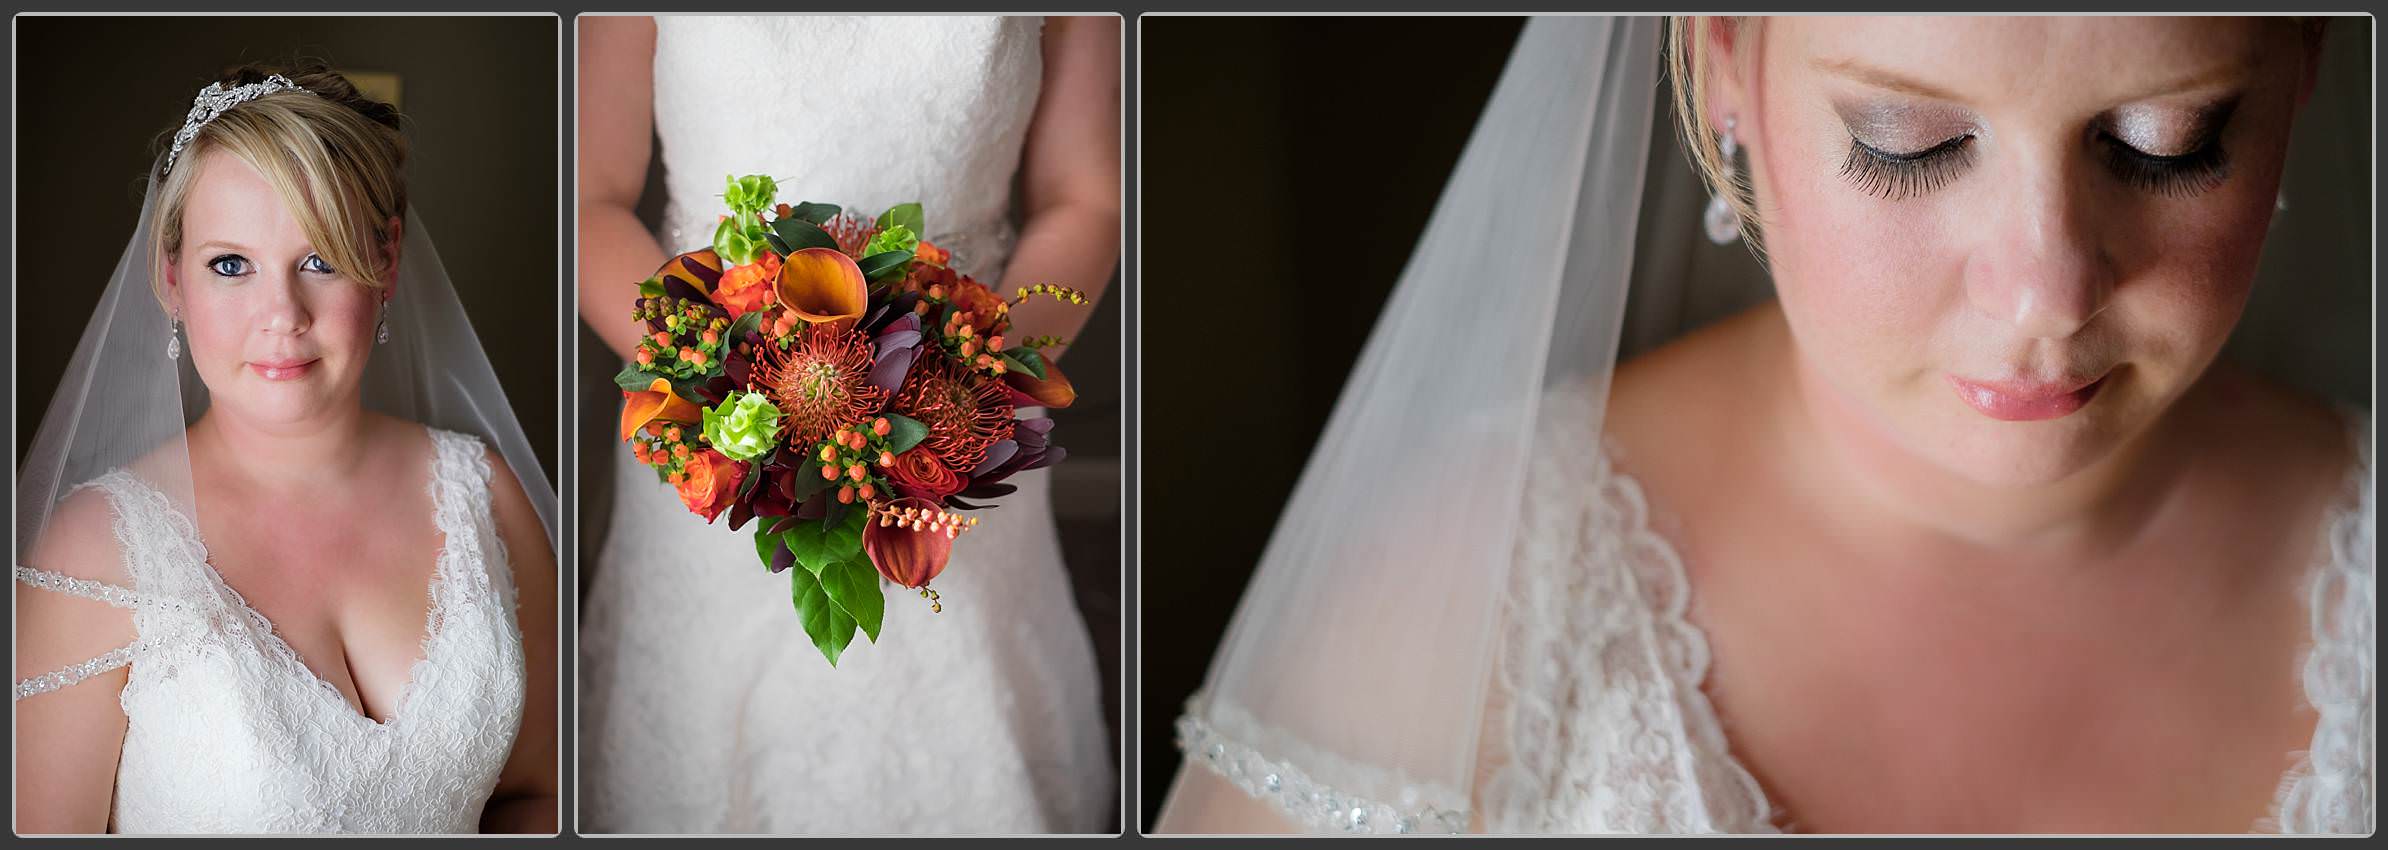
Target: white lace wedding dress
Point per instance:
(1605, 727)
(228, 731)
(705, 708)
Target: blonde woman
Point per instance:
(1966, 530)
(284, 558)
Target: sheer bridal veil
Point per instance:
(1352, 679)
(123, 403)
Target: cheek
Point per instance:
(1864, 284)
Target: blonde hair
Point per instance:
(332, 154)
(1687, 66)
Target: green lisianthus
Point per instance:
(743, 427)
(892, 238)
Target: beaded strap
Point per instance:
(88, 589)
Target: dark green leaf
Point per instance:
(830, 627)
(854, 586)
(800, 234)
(815, 213)
(907, 215)
(766, 545)
(745, 324)
(1013, 365)
(903, 432)
(634, 379)
(808, 479)
(1027, 360)
(820, 544)
(884, 264)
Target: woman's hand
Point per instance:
(1069, 177)
(616, 133)
(526, 795)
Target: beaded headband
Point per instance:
(216, 100)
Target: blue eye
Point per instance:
(229, 265)
(316, 264)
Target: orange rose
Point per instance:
(987, 310)
(657, 403)
(710, 484)
(745, 289)
(932, 254)
(920, 473)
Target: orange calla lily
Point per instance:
(822, 285)
(700, 269)
(657, 403)
(1053, 390)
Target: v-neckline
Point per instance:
(1703, 708)
(433, 622)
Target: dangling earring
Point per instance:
(381, 333)
(1721, 219)
(174, 338)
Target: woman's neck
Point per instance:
(324, 450)
(1865, 480)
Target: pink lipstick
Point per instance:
(2027, 400)
(287, 369)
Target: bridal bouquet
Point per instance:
(830, 379)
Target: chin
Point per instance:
(2005, 454)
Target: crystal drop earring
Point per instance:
(1722, 221)
(381, 333)
(174, 338)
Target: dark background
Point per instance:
(1086, 490)
(96, 95)
(1284, 188)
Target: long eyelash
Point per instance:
(1901, 176)
(2180, 176)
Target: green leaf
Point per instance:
(754, 478)
(830, 627)
(808, 479)
(814, 213)
(650, 287)
(907, 215)
(801, 234)
(745, 324)
(766, 545)
(817, 545)
(854, 586)
(1027, 360)
(635, 379)
(884, 264)
(903, 432)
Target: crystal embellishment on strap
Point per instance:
(1312, 804)
(71, 586)
(216, 100)
(52, 681)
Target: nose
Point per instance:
(2044, 270)
(283, 309)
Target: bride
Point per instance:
(325, 605)
(706, 709)
(1967, 531)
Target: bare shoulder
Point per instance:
(55, 628)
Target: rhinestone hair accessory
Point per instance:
(216, 100)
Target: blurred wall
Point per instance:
(480, 96)
(1284, 190)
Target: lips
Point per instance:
(283, 368)
(2027, 400)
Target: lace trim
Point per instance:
(2330, 788)
(1313, 804)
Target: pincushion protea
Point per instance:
(965, 412)
(820, 381)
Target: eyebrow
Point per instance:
(1879, 78)
(218, 244)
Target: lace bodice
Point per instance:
(228, 731)
(944, 104)
(1602, 725)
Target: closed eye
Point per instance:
(1899, 176)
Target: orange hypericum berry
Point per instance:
(920, 308)
(712, 338)
(886, 459)
(995, 343)
(855, 472)
(829, 473)
(661, 338)
(645, 357)
(680, 451)
(866, 492)
(845, 495)
(828, 454)
(697, 357)
(672, 433)
(969, 348)
(880, 426)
